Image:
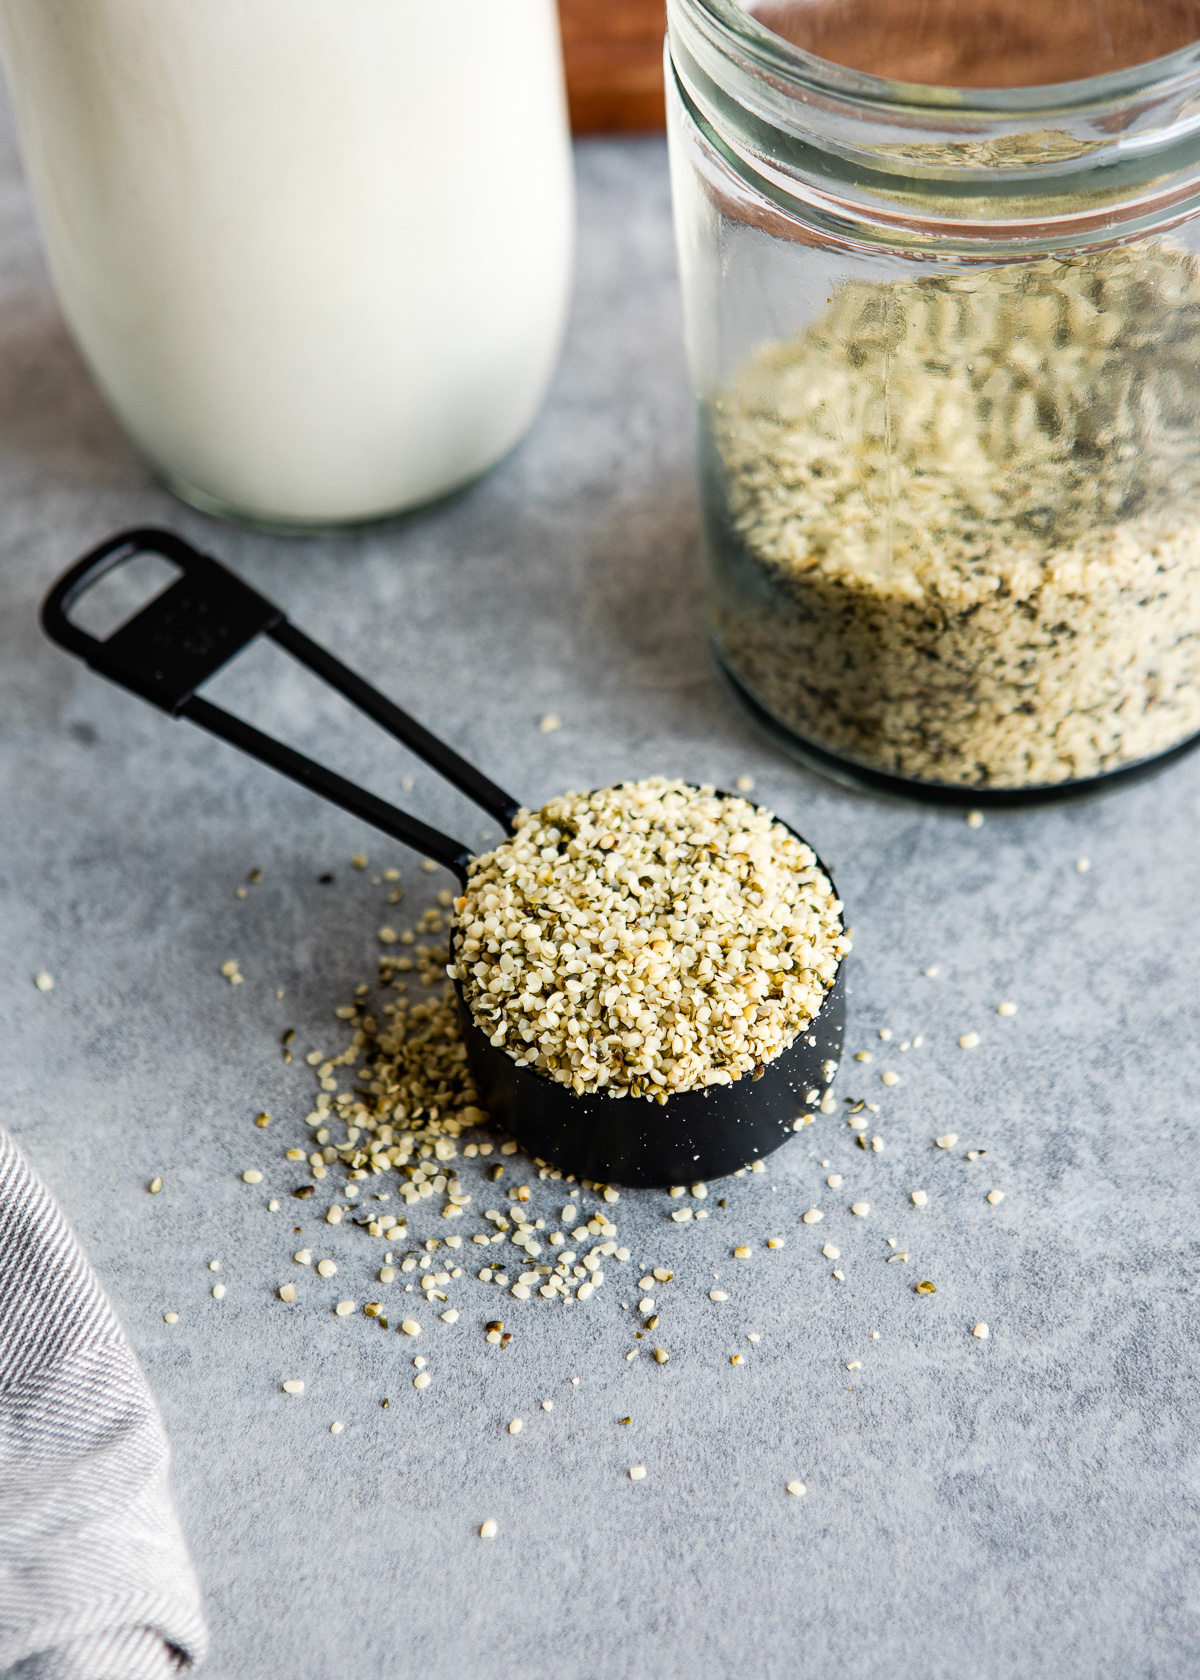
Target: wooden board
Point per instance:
(613, 51)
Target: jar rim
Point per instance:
(787, 63)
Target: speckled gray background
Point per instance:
(1021, 1507)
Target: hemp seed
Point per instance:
(649, 965)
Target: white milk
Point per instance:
(316, 252)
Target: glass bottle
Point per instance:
(317, 254)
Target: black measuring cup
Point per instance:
(207, 615)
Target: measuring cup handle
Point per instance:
(180, 638)
(195, 626)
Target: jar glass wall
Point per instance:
(946, 350)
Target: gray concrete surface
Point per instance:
(1008, 1509)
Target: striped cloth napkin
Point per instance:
(95, 1580)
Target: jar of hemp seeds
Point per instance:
(942, 297)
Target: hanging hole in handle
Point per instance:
(122, 592)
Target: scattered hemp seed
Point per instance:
(814, 1216)
(919, 1198)
(252, 1176)
(968, 1041)
(974, 819)
(262, 1120)
(797, 1489)
(743, 1253)
(422, 1379)
(736, 1359)
(775, 1242)
(450, 1316)
(218, 1292)
(336, 1428)
(1083, 865)
(287, 1292)
(303, 1257)
(170, 1318)
(344, 1309)
(744, 784)
(854, 1365)
(885, 1034)
(981, 1332)
(516, 1426)
(931, 973)
(154, 1186)
(549, 723)
(44, 982)
(861, 1209)
(293, 1386)
(637, 1472)
(834, 1181)
(334, 1215)
(925, 1288)
(863, 1056)
(753, 1336)
(831, 1253)
(890, 1077)
(387, 1274)
(840, 1276)
(947, 1140)
(646, 1304)
(717, 1295)
(661, 1355)
(410, 1327)
(547, 1405)
(995, 1197)
(1006, 1009)
(326, 1268)
(489, 1530)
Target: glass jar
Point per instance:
(946, 350)
(316, 254)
